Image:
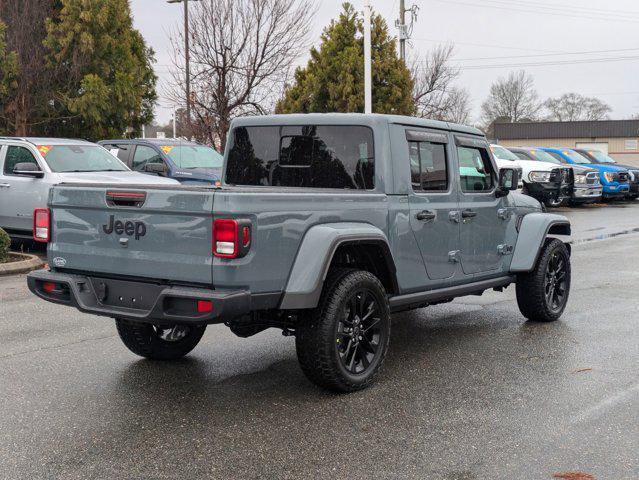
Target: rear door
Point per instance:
(159, 233)
(433, 201)
(484, 217)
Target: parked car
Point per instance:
(184, 161)
(324, 226)
(615, 180)
(551, 185)
(597, 156)
(30, 166)
(586, 185)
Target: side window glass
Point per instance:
(17, 155)
(475, 169)
(428, 166)
(144, 155)
(120, 151)
(558, 157)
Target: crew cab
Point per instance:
(323, 226)
(551, 185)
(182, 160)
(615, 180)
(599, 157)
(30, 166)
(586, 186)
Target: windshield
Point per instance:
(503, 153)
(194, 156)
(542, 156)
(600, 157)
(575, 157)
(80, 158)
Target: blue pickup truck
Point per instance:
(184, 161)
(615, 180)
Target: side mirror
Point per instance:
(27, 169)
(157, 168)
(508, 180)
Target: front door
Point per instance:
(484, 216)
(433, 201)
(19, 195)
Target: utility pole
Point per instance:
(405, 30)
(368, 76)
(402, 30)
(187, 61)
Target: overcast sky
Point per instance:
(518, 32)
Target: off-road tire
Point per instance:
(317, 350)
(142, 339)
(531, 295)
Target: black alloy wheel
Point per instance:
(542, 294)
(359, 333)
(555, 282)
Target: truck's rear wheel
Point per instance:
(159, 342)
(542, 294)
(343, 345)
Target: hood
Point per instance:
(582, 169)
(535, 166)
(525, 202)
(114, 177)
(211, 175)
(605, 167)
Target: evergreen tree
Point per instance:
(8, 72)
(104, 69)
(333, 80)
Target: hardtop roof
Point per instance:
(153, 141)
(352, 119)
(48, 141)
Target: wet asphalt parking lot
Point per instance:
(469, 390)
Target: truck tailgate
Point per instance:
(159, 233)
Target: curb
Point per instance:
(30, 262)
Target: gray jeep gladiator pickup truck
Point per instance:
(325, 225)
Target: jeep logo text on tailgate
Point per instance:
(137, 229)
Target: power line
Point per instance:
(536, 11)
(592, 52)
(487, 45)
(553, 63)
(572, 8)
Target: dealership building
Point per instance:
(617, 138)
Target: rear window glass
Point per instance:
(309, 156)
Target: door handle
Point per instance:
(425, 215)
(5, 185)
(469, 214)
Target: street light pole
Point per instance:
(368, 80)
(402, 26)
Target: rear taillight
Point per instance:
(231, 237)
(42, 225)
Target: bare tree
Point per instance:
(572, 107)
(241, 53)
(434, 92)
(512, 99)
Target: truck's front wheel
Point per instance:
(159, 342)
(343, 345)
(542, 294)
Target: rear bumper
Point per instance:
(159, 304)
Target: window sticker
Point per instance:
(44, 149)
(166, 149)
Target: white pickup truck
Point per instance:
(548, 183)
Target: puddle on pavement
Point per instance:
(604, 236)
